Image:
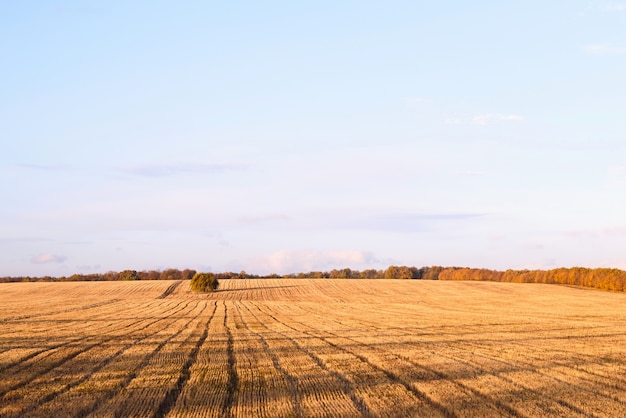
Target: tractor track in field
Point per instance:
(303, 347)
(530, 367)
(346, 385)
(134, 373)
(51, 396)
(291, 380)
(233, 378)
(79, 350)
(170, 290)
(172, 395)
(441, 375)
(61, 311)
(17, 365)
(390, 375)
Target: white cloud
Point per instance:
(420, 222)
(46, 167)
(453, 121)
(613, 7)
(48, 258)
(89, 267)
(603, 49)
(419, 100)
(615, 231)
(617, 177)
(489, 118)
(483, 119)
(515, 118)
(170, 169)
(288, 261)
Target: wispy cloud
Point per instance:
(615, 231)
(603, 7)
(89, 267)
(264, 218)
(289, 261)
(514, 118)
(604, 49)
(454, 121)
(44, 167)
(82, 10)
(410, 222)
(418, 100)
(436, 216)
(613, 7)
(483, 119)
(48, 258)
(25, 239)
(471, 173)
(172, 169)
(617, 177)
(533, 246)
(489, 118)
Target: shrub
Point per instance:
(204, 282)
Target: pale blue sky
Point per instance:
(285, 136)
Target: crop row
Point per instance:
(314, 348)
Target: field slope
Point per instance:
(280, 347)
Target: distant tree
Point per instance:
(392, 272)
(345, 273)
(150, 275)
(204, 282)
(371, 274)
(416, 273)
(431, 273)
(128, 275)
(171, 274)
(405, 272)
(187, 274)
(402, 272)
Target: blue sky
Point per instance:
(285, 136)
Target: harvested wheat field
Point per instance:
(282, 347)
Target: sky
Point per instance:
(282, 136)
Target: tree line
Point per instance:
(391, 272)
(169, 274)
(599, 278)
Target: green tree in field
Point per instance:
(204, 282)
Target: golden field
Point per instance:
(311, 347)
